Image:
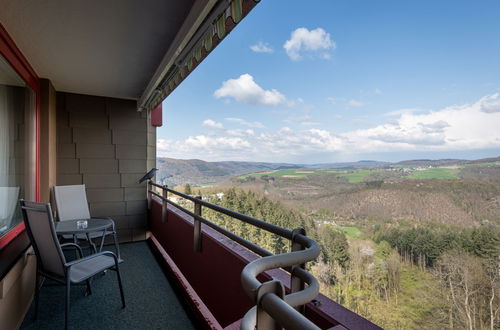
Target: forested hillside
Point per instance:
(399, 275)
(408, 246)
(460, 202)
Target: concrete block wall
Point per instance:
(107, 145)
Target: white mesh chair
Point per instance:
(51, 262)
(71, 204)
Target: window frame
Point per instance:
(11, 53)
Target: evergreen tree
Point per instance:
(187, 189)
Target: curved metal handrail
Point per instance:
(279, 309)
(269, 302)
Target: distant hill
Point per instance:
(433, 162)
(358, 164)
(484, 160)
(198, 172)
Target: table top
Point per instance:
(93, 225)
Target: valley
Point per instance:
(420, 239)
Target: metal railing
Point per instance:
(273, 309)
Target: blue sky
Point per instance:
(327, 81)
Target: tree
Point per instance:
(187, 189)
(472, 290)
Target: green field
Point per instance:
(291, 174)
(354, 177)
(357, 176)
(435, 173)
(353, 232)
(350, 231)
(351, 176)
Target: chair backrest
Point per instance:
(40, 226)
(71, 202)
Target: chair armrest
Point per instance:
(77, 261)
(78, 247)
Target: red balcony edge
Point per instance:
(201, 310)
(326, 313)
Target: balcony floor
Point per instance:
(151, 301)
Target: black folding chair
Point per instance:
(51, 262)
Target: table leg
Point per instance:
(102, 239)
(91, 243)
(75, 240)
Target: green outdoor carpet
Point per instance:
(151, 300)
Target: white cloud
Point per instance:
(403, 112)
(203, 141)
(253, 124)
(262, 47)
(309, 41)
(241, 132)
(490, 103)
(355, 103)
(213, 124)
(459, 127)
(462, 127)
(245, 90)
(306, 120)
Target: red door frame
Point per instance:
(18, 62)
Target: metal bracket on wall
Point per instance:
(164, 204)
(264, 320)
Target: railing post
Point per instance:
(296, 284)
(264, 320)
(164, 205)
(150, 188)
(197, 227)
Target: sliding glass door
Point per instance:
(17, 146)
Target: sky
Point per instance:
(333, 81)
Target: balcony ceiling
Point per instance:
(106, 48)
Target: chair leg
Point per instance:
(66, 317)
(89, 289)
(120, 285)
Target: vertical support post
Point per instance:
(197, 227)
(150, 187)
(264, 320)
(164, 213)
(296, 284)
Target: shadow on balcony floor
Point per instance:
(151, 301)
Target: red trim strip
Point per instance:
(13, 55)
(157, 116)
(15, 58)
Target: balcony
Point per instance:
(92, 120)
(184, 278)
(151, 299)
